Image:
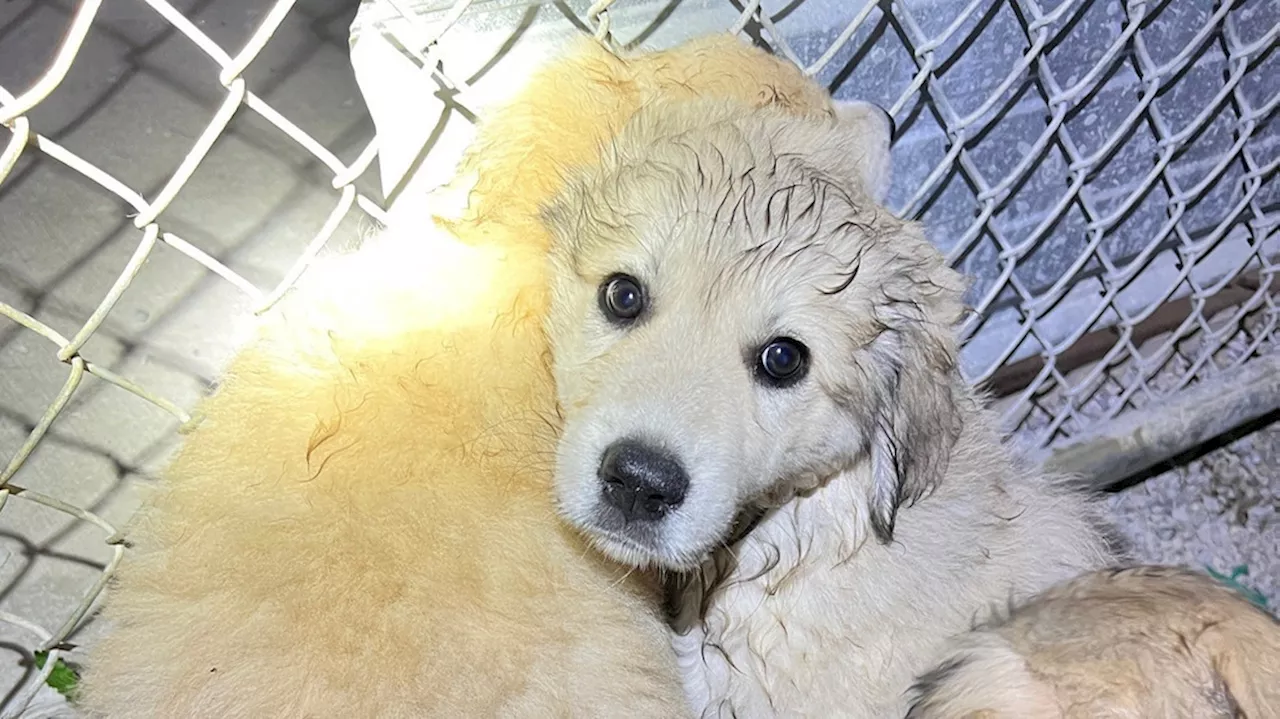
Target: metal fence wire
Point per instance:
(1105, 171)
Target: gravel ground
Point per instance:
(1220, 511)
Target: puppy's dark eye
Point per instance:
(783, 362)
(621, 299)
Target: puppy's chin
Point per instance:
(624, 550)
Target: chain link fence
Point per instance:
(1105, 171)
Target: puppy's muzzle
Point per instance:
(641, 482)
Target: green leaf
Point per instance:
(1233, 581)
(63, 678)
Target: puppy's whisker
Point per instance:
(623, 578)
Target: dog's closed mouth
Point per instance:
(610, 526)
(624, 540)
(620, 544)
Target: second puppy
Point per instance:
(1127, 643)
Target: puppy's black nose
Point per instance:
(641, 482)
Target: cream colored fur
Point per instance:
(1131, 643)
(361, 524)
(894, 515)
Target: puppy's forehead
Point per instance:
(736, 195)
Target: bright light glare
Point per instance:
(404, 280)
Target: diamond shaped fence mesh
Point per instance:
(1105, 172)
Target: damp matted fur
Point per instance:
(894, 514)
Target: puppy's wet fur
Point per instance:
(893, 513)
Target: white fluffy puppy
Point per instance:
(743, 336)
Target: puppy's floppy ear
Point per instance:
(913, 428)
(916, 419)
(867, 132)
